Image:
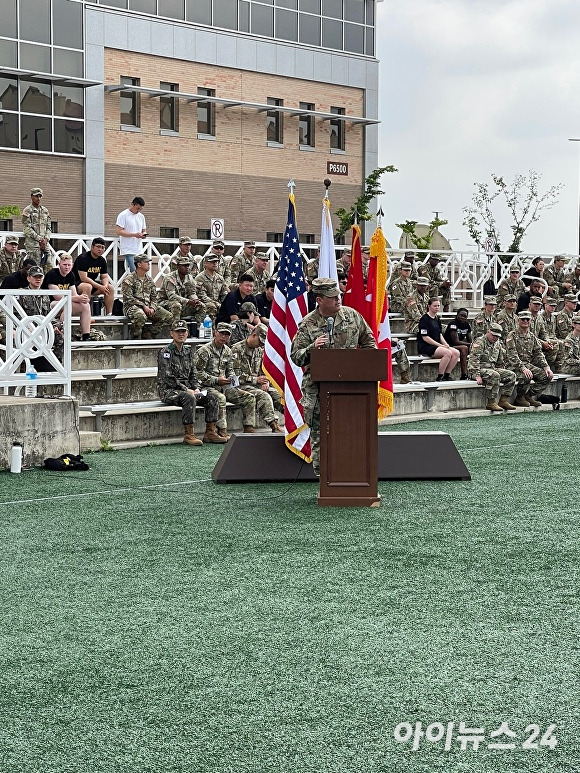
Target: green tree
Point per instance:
(420, 242)
(359, 211)
(524, 202)
(7, 212)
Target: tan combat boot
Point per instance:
(248, 429)
(275, 426)
(222, 432)
(493, 406)
(533, 401)
(521, 401)
(189, 438)
(503, 403)
(211, 436)
(404, 377)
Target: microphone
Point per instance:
(329, 329)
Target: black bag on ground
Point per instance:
(552, 400)
(66, 462)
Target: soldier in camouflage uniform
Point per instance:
(40, 305)
(344, 261)
(36, 226)
(513, 285)
(401, 289)
(564, 317)
(312, 267)
(10, 258)
(217, 251)
(571, 347)
(525, 357)
(416, 305)
(178, 292)
(350, 332)
(438, 286)
(539, 327)
(507, 317)
(259, 273)
(177, 385)
(484, 319)
(215, 371)
(184, 251)
(484, 366)
(247, 356)
(573, 278)
(246, 323)
(408, 257)
(210, 286)
(241, 264)
(555, 276)
(140, 301)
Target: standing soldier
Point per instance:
(140, 301)
(525, 357)
(36, 227)
(177, 384)
(482, 366)
(438, 286)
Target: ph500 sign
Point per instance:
(332, 167)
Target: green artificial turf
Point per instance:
(152, 626)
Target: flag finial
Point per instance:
(327, 184)
(380, 216)
(291, 185)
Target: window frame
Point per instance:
(135, 99)
(339, 145)
(274, 123)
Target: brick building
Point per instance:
(205, 108)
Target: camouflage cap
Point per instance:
(250, 243)
(142, 259)
(262, 331)
(261, 256)
(515, 270)
(347, 251)
(490, 300)
(35, 271)
(576, 319)
(366, 250)
(409, 254)
(185, 240)
(510, 297)
(435, 256)
(218, 243)
(496, 329)
(535, 299)
(404, 266)
(570, 297)
(248, 306)
(11, 240)
(179, 324)
(326, 287)
(182, 260)
(211, 258)
(422, 281)
(224, 327)
(550, 301)
(36, 192)
(525, 314)
(560, 257)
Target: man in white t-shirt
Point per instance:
(131, 229)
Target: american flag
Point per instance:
(288, 309)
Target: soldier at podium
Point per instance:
(329, 326)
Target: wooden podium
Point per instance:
(348, 424)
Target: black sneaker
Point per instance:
(446, 377)
(439, 377)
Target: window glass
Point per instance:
(172, 9)
(115, 3)
(354, 10)
(306, 126)
(311, 6)
(274, 122)
(9, 18)
(8, 130)
(332, 8)
(262, 20)
(8, 93)
(67, 62)
(309, 30)
(286, 25)
(370, 46)
(35, 97)
(206, 113)
(287, 4)
(35, 133)
(35, 20)
(145, 6)
(129, 103)
(225, 14)
(331, 33)
(354, 38)
(8, 56)
(36, 58)
(67, 24)
(69, 136)
(370, 4)
(68, 101)
(168, 107)
(337, 130)
(198, 10)
(244, 20)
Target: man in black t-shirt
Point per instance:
(92, 274)
(229, 310)
(63, 278)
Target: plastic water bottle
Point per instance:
(16, 458)
(207, 327)
(31, 375)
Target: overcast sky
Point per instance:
(471, 87)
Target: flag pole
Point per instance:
(291, 185)
(380, 216)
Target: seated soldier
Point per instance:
(571, 347)
(513, 285)
(177, 385)
(483, 366)
(248, 319)
(416, 304)
(178, 291)
(485, 317)
(525, 357)
(140, 301)
(247, 356)
(215, 371)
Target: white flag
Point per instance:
(327, 259)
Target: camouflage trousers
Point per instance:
(161, 318)
(539, 378)
(555, 357)
(41, 258)
(188, 404)
(212, 308)
(497, 381)
(230, 394)
(311, 404)
(573, 368)
(266, 402)
(181, 310)
(402, 361)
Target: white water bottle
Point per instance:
(207, 327)
(16, 458)
(31, 375)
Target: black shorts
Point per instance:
(427, 350)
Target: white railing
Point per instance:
(29, 337)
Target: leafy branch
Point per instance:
(420, 242)
(7, 212)
(360, 209)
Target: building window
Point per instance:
(337, 129)
(274, 237)
(169, 109)
(168, 232)
(6, 225)
(306, 126)
(206, 113)
(129, 103)
(203, 233)
(275, 122)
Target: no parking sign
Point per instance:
(217, 228)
